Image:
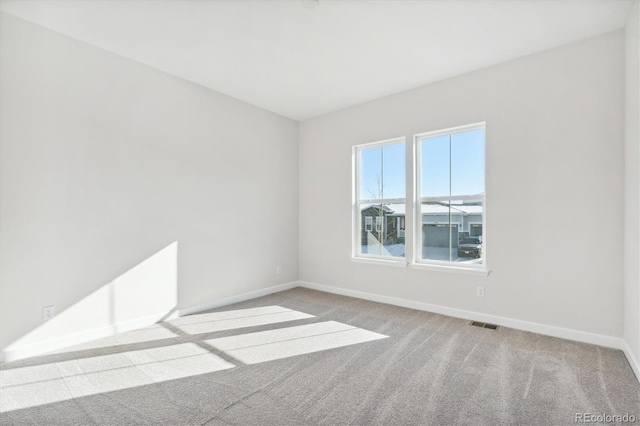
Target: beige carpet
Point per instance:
(303, 357)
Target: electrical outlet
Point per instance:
(47, 313)
(278, 270)
(480, 291)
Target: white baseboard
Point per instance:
(633, 361)
(42, 347)
(238, 298)
(548, 330)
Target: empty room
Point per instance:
(319, 212)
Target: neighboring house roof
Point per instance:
(398, 209)
(386, 208)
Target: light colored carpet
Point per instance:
(303, 357)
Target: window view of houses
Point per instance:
(383, 230)
(450, 232)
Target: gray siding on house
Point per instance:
(389, 232)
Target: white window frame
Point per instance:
(368, 223)
(356, 202)
(418, 200)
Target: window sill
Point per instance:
(385, 262)
(422, 266)
(447, 268)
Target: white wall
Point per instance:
(632, 187)
(555, 140)
(106, 162)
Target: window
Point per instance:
(368, 225)
(379, 189)
(450, 197)
(448, 180)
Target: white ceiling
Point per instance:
(301, 62)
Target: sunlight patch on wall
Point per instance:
(139, 297)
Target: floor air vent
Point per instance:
(484, 325)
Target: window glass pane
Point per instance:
(467, 163)
(393, 168)
(371, 173)
(435, 166)
(383, 172)
(380, 234)
(452, 231)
